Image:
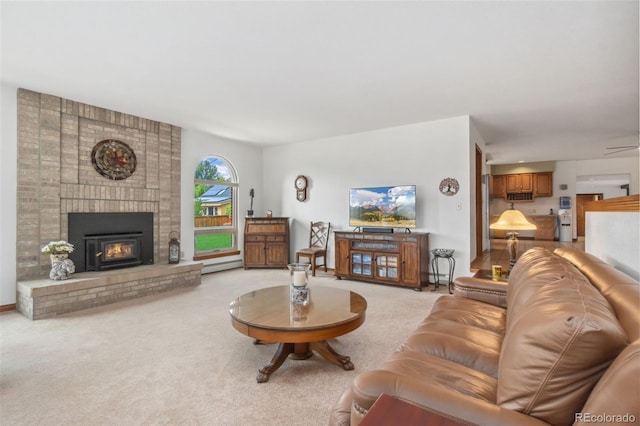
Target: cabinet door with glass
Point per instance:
(387, 267)
(361, 264)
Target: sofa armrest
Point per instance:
(447, 402)
(482, 290)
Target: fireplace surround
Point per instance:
(97, 237)
(56, 177)
(57, 180)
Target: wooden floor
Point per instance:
(499, 255)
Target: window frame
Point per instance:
(223, 229)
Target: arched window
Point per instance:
(214, 208)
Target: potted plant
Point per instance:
(58, 250)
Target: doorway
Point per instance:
(581, 199)
(478, 207)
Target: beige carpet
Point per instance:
(175, 359)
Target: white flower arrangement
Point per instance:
(58, 247)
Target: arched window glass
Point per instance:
(214, 208)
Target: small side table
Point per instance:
(486, 274)
(440, 253)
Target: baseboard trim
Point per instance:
(7, 308)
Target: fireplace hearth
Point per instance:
(105, 241)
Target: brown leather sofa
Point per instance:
(559, 344)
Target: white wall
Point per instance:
(612, 166)
(568, 172)
(247, 161)
(607, 190)
(613, 237)
(8, 192)
(421, 154)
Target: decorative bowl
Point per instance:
(443, 252)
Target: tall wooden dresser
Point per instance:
(266, 242)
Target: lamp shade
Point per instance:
(512, 220)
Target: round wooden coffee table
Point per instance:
(268, 316)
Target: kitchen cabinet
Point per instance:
(497, 186)
(543, 184)
(521, 187)
(546, 226)
(519, 183)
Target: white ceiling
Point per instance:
(542, 80)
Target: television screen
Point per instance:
(383, 206)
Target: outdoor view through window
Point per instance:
(214, 207)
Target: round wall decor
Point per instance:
(449, 186)
(113, 159)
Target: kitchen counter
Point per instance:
(546, 224)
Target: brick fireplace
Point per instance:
(56, 177)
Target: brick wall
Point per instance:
(56, 176)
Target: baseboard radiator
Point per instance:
(221, 266)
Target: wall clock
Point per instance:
(113, 159)
(449, 186)
(301, 188)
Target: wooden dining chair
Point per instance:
(318, 240)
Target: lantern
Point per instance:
(174, 247)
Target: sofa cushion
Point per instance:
(620, 290)
(415, 375)
(536, 268)
(465, 331)
(555, 349)
(463, 344)
(470, 312)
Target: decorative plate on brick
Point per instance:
(113, 159)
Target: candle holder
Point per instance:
(299, 311)
(299, 274)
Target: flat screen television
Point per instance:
(383, 207)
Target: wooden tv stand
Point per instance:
(400, 259)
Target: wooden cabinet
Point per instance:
(266, 242)
(396, 259)
(519, 183)
(497, 187)
(546, 227)
(543, 184)
(521, 187)
(411, 256)
(342, 264)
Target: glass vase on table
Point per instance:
(299, 279)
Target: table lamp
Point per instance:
(512, 220)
